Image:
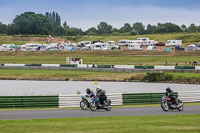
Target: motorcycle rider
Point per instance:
(101, 95)
(170, 94)
(89, 93)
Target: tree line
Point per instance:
(31, 23)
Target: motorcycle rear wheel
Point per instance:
(93, 107)
(164, 106)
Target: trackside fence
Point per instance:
(73, 100)
(142, 98)
(189, 96)
(28, 101)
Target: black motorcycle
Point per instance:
(95, 104)
(167, 104)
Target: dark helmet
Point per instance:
(168, 89)
(88, 91)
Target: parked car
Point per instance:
(159, 44)
(179, 48)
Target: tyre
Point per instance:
(180, 108)
(109, 107)
(93, 106)
(164, 106)
(83, 105)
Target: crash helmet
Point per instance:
(88, 90)
(98, 88)
(168, 89)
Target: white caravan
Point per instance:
(145, 41)
(124, 42)
(171, 43)
(134, 46)
(32, 46)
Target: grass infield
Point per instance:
(125, 124)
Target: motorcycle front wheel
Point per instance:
(164, 106)
(83, 105)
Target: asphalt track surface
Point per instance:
(77, 113)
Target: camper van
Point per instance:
(171, 43)
(134, 46)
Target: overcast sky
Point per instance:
(89, 13)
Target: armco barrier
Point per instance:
(142, 98)
(33, 64)
(197, 67)
(68, 65)
(73, 100)
(28, 101)
(13, 65)
(124, 66)
(51, 65)
(105, 66)
(164, 67)
(184, 67)
(144, 67)
(189, 96)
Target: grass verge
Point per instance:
(34, 74)
(141, 124)
(101, 57)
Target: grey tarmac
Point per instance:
(77, 113)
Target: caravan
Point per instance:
(171, 43)
(134, 46)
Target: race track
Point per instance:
(75, 113)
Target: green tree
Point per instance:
(31, 23)
(193, 28)
(92, 31)
(150, 29)
(183, 27)
(139, 28)
(126, 28)
(104, 28)
(3, 28)
(167, 28)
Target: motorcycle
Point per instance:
(95, 104)
(167, 104)
(84, 103)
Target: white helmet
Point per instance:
(98, 88)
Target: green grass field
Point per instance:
(101, 57)
(186, 37)
(86, 75)
(131, 124)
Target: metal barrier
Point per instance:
(73, 100)
(28, 101)
(142, 98)
(189, 96)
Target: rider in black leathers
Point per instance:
(170, 94)
(101, 95)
